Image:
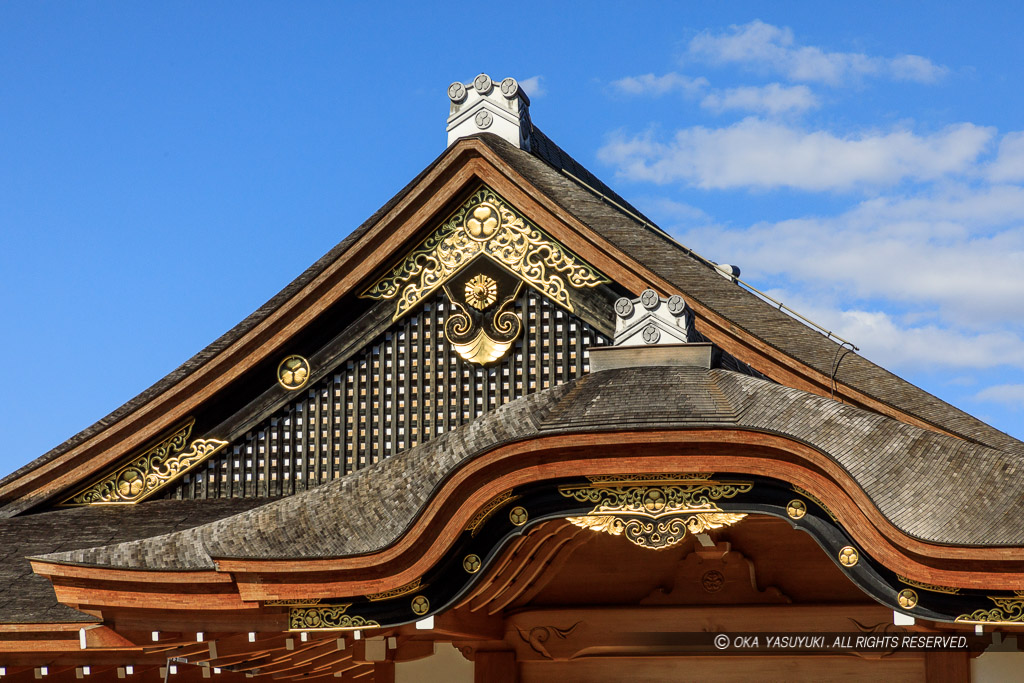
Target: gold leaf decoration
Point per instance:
(817, 501)
(655, 516)
(486, 338)
(1007, 611)
(146, 473)
(485, 225)
(690, 495)
(481, 292)
(327, 618)
(396, 592)
(928, 586)
(493, 505)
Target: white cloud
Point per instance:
(771, 48)
(1009, 164)
(762, 154)
(955, 255)
(892, 342)
(649, 84)
(770, 99)
(1009, 394)
(666, 209)
(533, 86)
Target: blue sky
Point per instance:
(165, 169)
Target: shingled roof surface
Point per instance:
(27, 598)
(226, 339)
(917, 478)
(654, 249)
(668, 259)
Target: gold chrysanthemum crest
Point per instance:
(485, 225)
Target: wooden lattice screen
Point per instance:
(403, 389)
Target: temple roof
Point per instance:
(924, 483)
(567, 183)
(698, 282)
(29, 598)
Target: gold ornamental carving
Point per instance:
(488, 510)
(486, 336)
(397, 592)
(1008, 611)
(327, 618)
(928, 586)
(655, 511)
(907, 598)
(293, 373)
(481, 291)
(146, 473)
(485, 225)
(659, 533)
(848, 556)
(299, 602)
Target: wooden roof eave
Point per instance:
(737, 451)
(466, 161)
(448, 176)
(629, 272)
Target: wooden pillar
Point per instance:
(947, 667)
(498, 666)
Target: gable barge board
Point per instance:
(335, 274)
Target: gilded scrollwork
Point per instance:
(485, 225)
(928, 586)
(655, 511)
(817, 501)
(148, 472)
(1007, 611)
(327, 618)
(690, 494)
(485, 336)
(397, 592)
(493, 505)
(658, 533)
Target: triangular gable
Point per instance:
(235, 378)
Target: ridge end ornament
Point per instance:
(651, 320)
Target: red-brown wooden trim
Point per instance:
(468, 162)
(435, 531)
